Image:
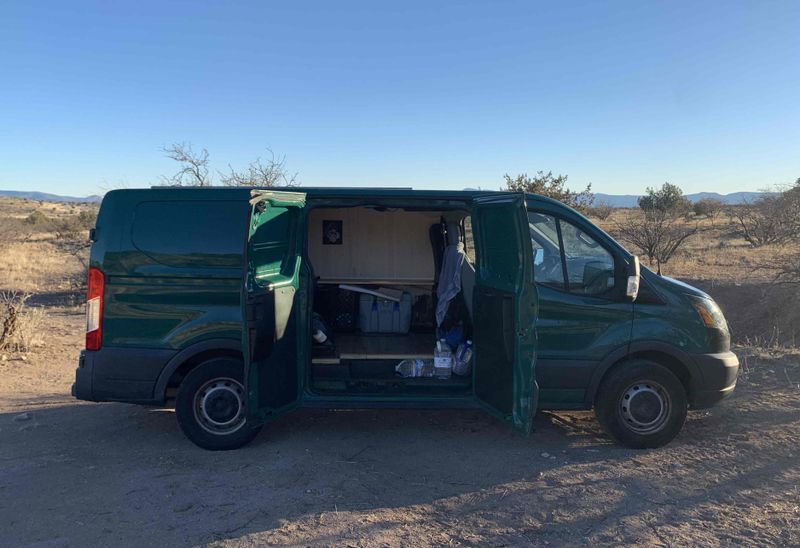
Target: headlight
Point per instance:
(709, 312)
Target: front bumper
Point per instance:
(716, 380)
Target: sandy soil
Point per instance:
(79, 474)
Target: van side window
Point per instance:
(191, 234)
(558, 244)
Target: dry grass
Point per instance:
(36, 265)
(715, 253)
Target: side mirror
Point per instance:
(633, 272)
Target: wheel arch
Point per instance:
(671, 357)
(187, 359)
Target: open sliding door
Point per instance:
(505, 306)
(273, 301)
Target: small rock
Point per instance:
(3, 358)
(184, 507)
(22, 417)
(545, 455)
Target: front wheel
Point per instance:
(642, 404)
(212, 406)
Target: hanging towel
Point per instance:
(450, 275)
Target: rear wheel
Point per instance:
(212, 406)
(642, 404)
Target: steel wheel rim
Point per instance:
(219, 406)
(645, 407)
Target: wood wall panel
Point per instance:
(376, 245)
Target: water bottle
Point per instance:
(442, 360)
(463, 364)
(408, 368)
(414, 368)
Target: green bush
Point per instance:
(37, 218)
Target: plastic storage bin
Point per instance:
(377, 315)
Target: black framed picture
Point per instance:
(331, 232)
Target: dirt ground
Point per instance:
(80, 474)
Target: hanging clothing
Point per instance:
(450, 274)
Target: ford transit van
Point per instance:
(237, 305)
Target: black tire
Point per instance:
(211, 406)
(659, 404)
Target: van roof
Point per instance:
(322, 191)
(347, 192)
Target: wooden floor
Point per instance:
(358, 346)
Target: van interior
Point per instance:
(381, 277)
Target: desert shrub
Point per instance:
(37, 219)
(29, 334)
(13, 230)
(656, 233)
(785, 268)
(708, 207)
(758, 223)
(20, 325)
(669, 198)
(71, 236)
(601, 210)
(772, 219)
(553, 186)
(87, 219)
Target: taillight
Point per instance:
(94, 309)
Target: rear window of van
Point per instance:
(191, 234)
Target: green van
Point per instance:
(236, 305)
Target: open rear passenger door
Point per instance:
(273, 300)
(505, 306)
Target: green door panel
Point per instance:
(274, 303)
(576, 330)
(505, 306)
(575, 333)
(171, 312)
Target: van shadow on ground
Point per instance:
(122, 475)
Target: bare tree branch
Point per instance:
(194, 166)
(658, 234)
(269, 173)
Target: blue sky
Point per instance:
(432, 95)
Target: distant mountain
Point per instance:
(45, 197)
(630, 200)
